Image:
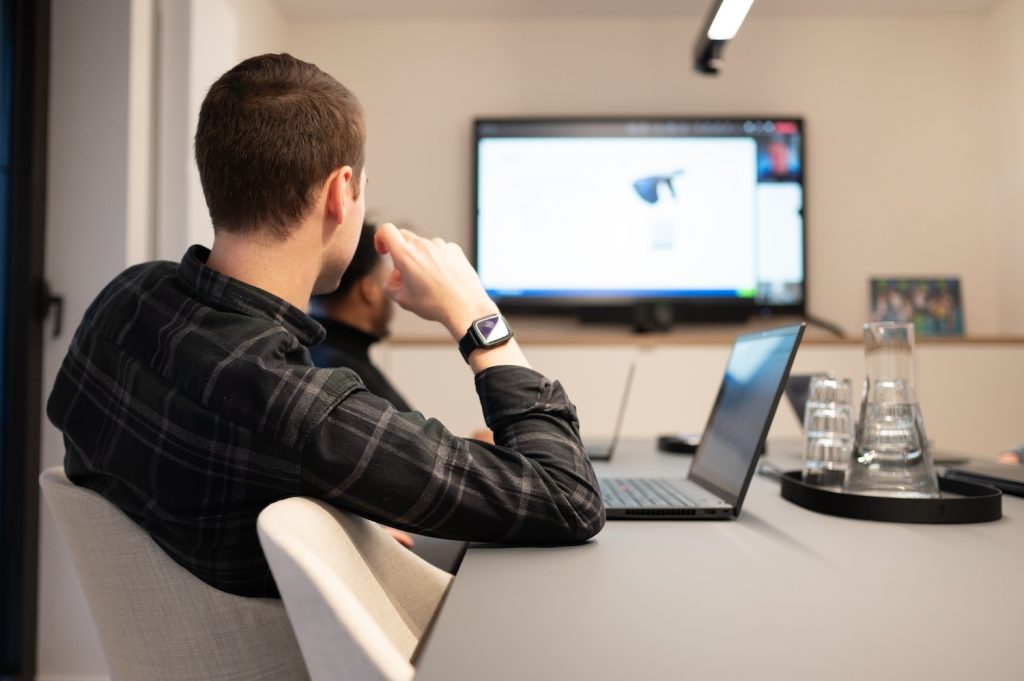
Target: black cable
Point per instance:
(825, 324)
(769, 470)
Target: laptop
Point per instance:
(602, 449)
(798, 387)
(751, 388)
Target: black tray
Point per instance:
(975, 503)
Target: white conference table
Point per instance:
(779, 593)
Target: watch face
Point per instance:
(492, 329)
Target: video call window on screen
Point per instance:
(578, 211)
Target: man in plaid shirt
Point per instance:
(188, 399)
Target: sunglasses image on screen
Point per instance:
(647, 187)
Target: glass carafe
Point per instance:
(891, 455)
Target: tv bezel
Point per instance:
(628, 308)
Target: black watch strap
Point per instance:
(467, 344)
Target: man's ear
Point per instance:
(369, 290)
(339, 193)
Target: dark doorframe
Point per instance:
(26, 301)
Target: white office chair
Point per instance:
(358, 601)
(155, 619)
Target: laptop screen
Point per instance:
(743, 411)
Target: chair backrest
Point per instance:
(155, 619)
(358, 601)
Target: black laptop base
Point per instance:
(668, 513)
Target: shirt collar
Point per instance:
(346, 337)
(221, 291)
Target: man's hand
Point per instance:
(399, 536)
(1010, 457)
(433, 279)
(484, 435)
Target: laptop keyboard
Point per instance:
(642, 493)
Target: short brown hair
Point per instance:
(271, 131)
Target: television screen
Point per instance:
(703, 213)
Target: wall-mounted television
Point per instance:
(625, 218)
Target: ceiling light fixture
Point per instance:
(723, 22)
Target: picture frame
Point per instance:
(933, 304)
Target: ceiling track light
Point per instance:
(723, 22)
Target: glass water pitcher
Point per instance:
(891, 454)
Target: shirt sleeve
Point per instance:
(535, 486)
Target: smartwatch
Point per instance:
(485, 332)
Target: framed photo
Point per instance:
(932, 304)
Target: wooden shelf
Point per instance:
(555, 332)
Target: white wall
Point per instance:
(94, 113)
(101, 211)
(1003, 32)
(897, 176)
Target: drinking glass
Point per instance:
(828, 431)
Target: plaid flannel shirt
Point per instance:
(188, 399)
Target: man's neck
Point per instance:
(286, 268)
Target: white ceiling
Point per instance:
(319, 10)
